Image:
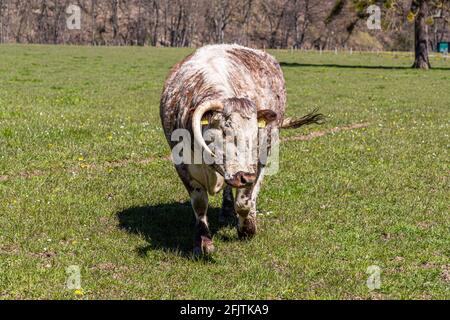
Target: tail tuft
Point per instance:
(310, 118)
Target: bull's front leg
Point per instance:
(203, 243)
(245, 208)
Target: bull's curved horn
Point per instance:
(197, 118)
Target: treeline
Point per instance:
(190, 23)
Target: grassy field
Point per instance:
(85, 180)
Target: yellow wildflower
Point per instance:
(79, 292)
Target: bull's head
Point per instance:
(233, 126)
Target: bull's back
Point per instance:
(266, 86)
(217, 72)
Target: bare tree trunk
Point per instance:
(219, 16)
(42, 23)
(59, 10)
(420, 8)
(2, 5)
(22, 20)
(155, 23)
(114, 20)
(166, 9)
(275, 24)
(140, 31)
(1, 21)
(93, 23)
(6, 21)
(248, 6)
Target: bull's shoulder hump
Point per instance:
(244, 54)
(174, 70)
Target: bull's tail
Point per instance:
(310, 118)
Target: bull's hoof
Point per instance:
(205, 247)
(208, 248)
(248, 229)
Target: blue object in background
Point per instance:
(443, 47)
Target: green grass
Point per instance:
(85, 180)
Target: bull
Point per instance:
(236, 92)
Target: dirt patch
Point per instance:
(317, 134)
(31, 174)
(116, 272)
(445, 274)
(10, 249)
(428, 265)
(43, 255)
(23, 174)
(107, 266)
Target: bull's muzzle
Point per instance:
(241, 180)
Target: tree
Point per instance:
(220, 15)
(93, 23)
(114, 19)
(421, 12)
(255, 23)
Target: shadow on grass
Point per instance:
(343, 66)
(168, 227)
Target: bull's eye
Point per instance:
(212, 122)
(215, 120)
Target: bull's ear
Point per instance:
(266, 116)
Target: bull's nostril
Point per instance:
(247, 178)
(242, 179)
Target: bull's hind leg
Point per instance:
(227, 212)
(203, 243)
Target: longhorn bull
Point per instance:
(235, 92)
